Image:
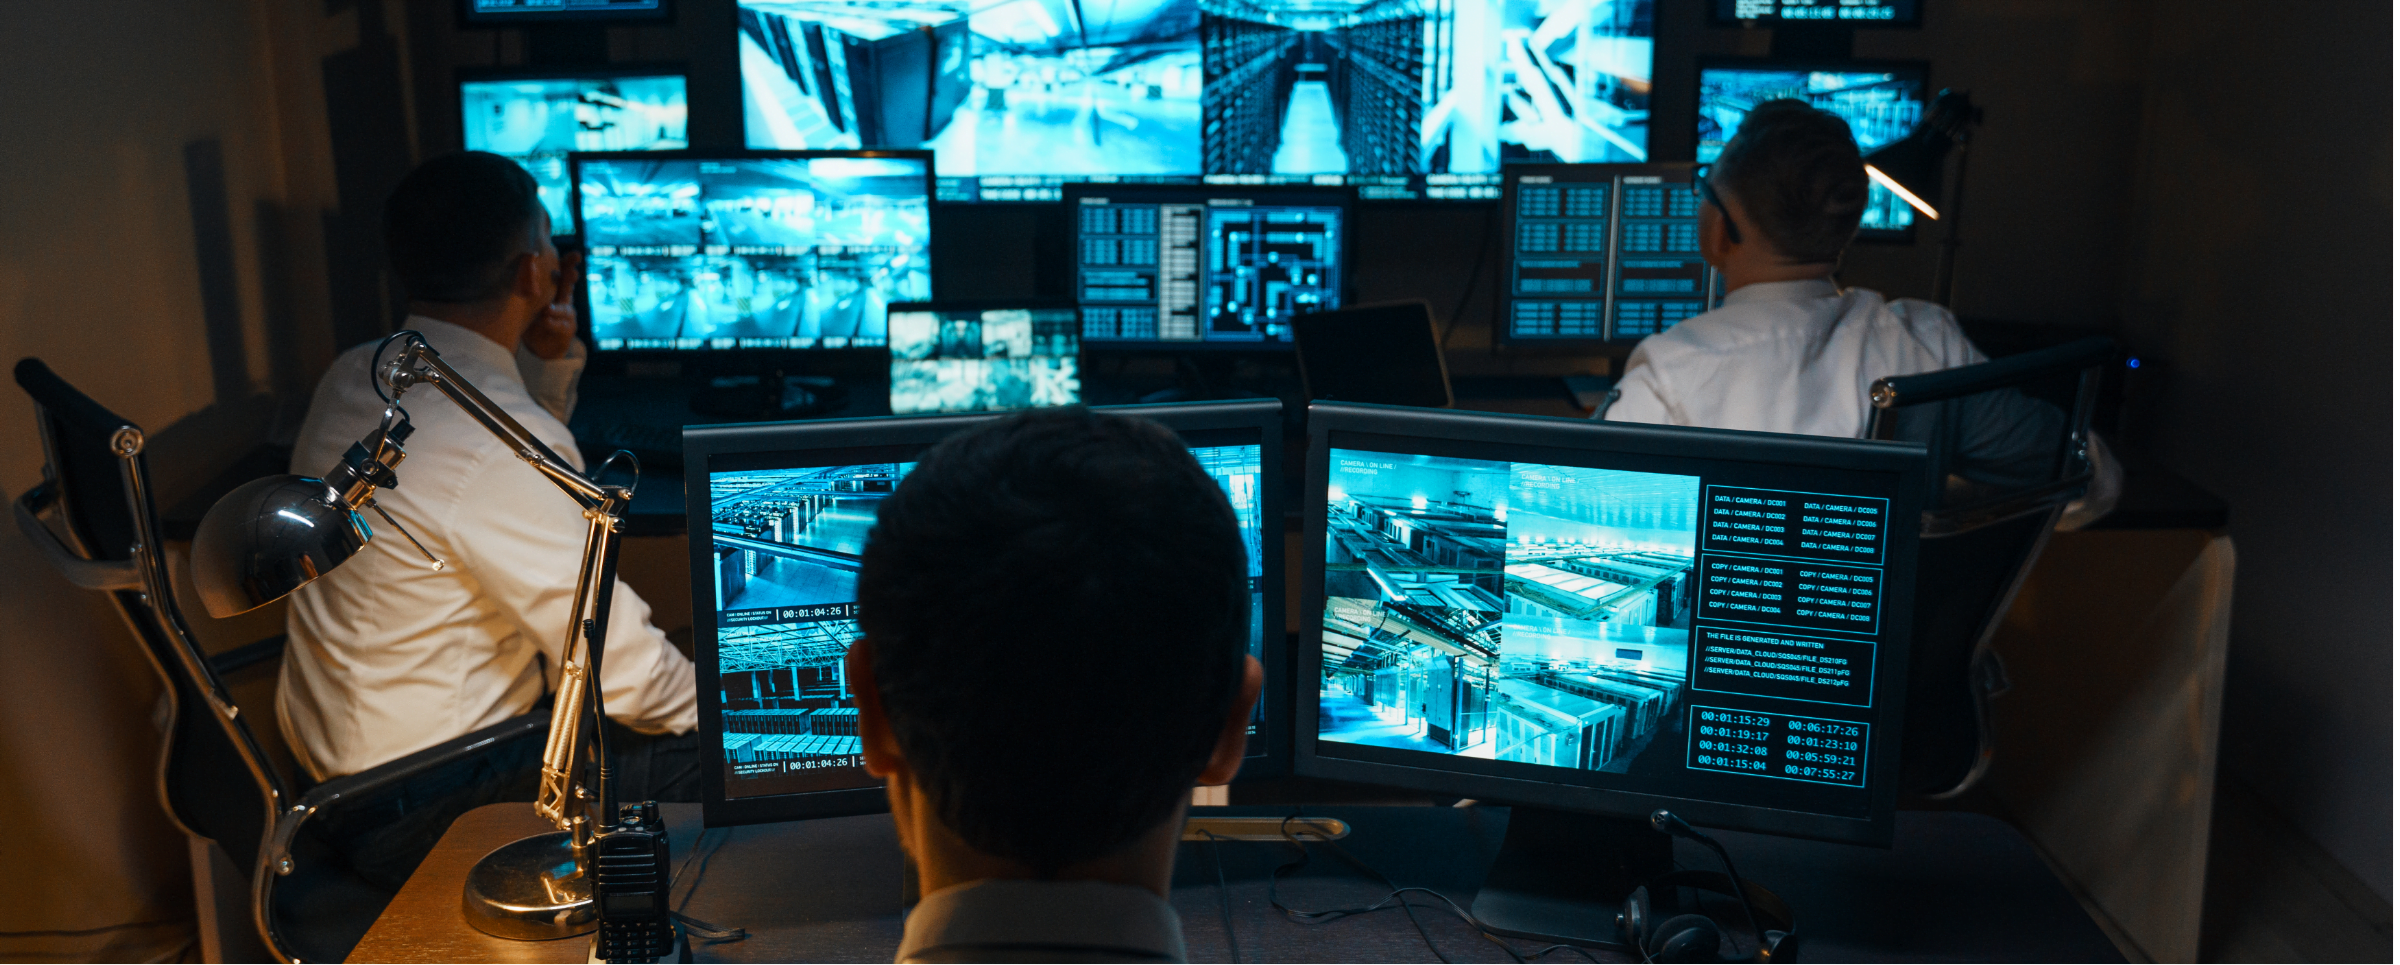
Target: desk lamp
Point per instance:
(274, 535)
(1911, 167)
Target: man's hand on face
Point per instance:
(553, 330)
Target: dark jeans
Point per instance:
(385, 836)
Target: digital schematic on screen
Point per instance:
(784, 253)
(1222, 272)
(1881, 104)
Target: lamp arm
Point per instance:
(420, 363)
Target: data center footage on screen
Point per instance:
(770, 253)
(535, 121)
(1403, 98)
(787, 544)
(1881, 105)
(977, 360)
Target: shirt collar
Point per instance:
(483, 361)
(1782, 291)
(1055, 914)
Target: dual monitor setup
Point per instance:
(1576, 618)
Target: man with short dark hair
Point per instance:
(1055, 612)
(389, 656)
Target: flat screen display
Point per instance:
(1602, 252)
(536, 121)
(1403, 101)
(1205, 269)
(983, 359)
(523, 11)
(786, 544)
(803, 252)
(1847, 13)
(1882, 104)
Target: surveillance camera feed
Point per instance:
(983, 359)
(1405, 99)
(787, 253)
(1880, 106)
(787, 544)
(1538, 621)
(535, 121)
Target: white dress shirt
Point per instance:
(1788, 356)
(389, 656)
(1010, 920)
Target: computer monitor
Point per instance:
(1600, 253)
(779, 516)
(1881, 101)
(1601, 618)
(1840, 13)
(536, 119)
(1205, 268)
(497, 13)
(983, 356)
(766, 250)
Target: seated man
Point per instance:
(1055, 611)
(390, 656)
(1791, 351)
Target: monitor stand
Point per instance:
(766, 396)
(1561, 877)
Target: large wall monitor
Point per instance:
(1845, 13)
(1601, 252)
(536, 119)
(1402, 100)
(495, 13)
(1206, 267)
(1606, 618)
(752, 250)
(775, 555)
(967, 357)
(1881, 102)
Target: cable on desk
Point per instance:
(1483, 251)
(1216, 853)
(1397, 895)
(696, 864)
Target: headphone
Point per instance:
(1691, 937)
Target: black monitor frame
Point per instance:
(1503, 292)
(702, 443)
(470, 18)
(1920, 70)
(1718, 17)
(1329, 424)
(1342, 196)
(733, 359)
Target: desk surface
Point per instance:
(1955, 886)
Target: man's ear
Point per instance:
(530, 280)
(1716, 245)
(877, 750)
(1233, 739)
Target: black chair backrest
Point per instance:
(211, 779)
(2007, 444)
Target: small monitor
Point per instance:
(752, 250)
(1607, 618)
(779, 519)
(1388, 354)
(983, 357)
(1206, 268)
(497, 13)
(1600, 253)
(536, 119)
(1839, 13)
(1881, 102)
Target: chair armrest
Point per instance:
(288, 824)
(2083, 353)
(89, 574)
(247, 654)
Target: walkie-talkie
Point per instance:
(629, 883)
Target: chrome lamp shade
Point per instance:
(270, 537)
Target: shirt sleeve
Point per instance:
(522, 541)
(553, 383)
(1639, 395)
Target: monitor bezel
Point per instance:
(1507, 232)
(1071, 200)
(1925, 94)
(702, 443)
(1717, 19)
(469, 18)
(719, 358)
(1907, 460)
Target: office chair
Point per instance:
(214, 780)
(2007, 452)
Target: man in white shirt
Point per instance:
(1056, 619)
(388, 655)
(1791, 351)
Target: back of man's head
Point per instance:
(1796, 172)
(1058, 604)
(454, 227)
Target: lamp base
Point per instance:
(531, 889)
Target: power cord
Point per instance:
(1483, 252)
(1216, 853)
(1396, 897)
